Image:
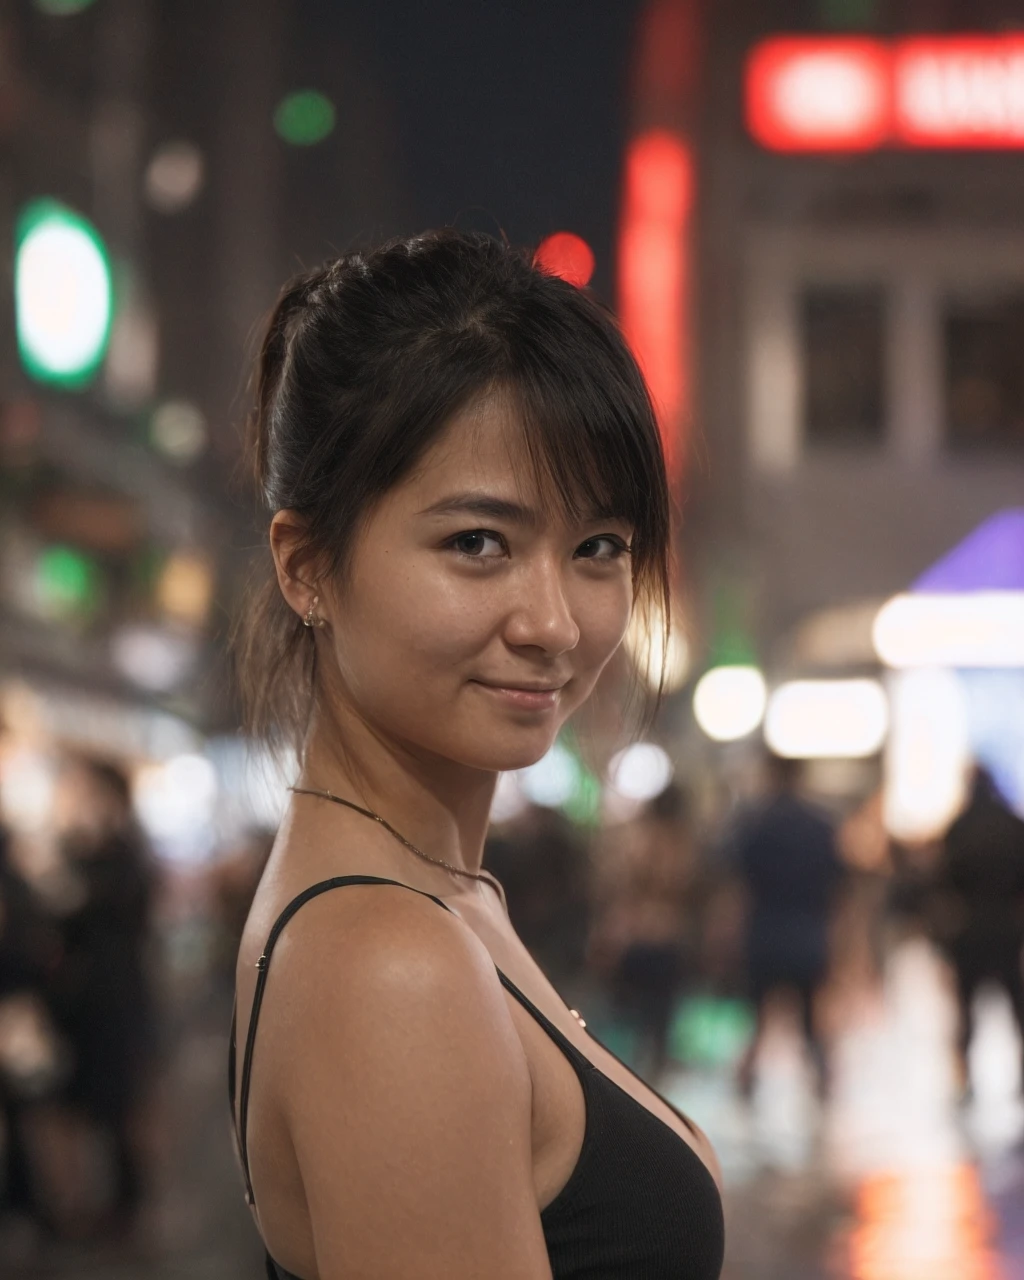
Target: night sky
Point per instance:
(490, 115)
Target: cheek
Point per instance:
(603, 617)
(414, 634)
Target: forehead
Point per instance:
(483, 444)
(490, 448)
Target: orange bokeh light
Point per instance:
(926, 1224)
(567, 255)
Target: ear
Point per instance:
(288, 532)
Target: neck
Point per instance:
(440, 806)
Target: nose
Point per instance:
(541, 616)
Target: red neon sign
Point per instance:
(853, 94)
(967, 92)
(808, 94)
(654, 268)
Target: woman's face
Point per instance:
(474, 623)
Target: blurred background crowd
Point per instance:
(795, 901)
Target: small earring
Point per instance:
(312, 618)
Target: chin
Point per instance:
(504, 753)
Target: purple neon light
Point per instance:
(989, 559)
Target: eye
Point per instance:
(606, 547)
(473, 545)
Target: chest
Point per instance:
(559, 1111)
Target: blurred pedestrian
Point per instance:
(789, 865)
(979, 907)
(541, 864)
(28, 1049)
(101, 990)
(641, 939)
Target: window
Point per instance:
(844, 364)
(984, 370)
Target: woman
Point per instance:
(469, 498)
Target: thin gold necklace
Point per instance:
(438, 862)
(369, 813)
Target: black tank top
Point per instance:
(640, 1204)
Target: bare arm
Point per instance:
(407, 1098)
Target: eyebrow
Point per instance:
(489, 506)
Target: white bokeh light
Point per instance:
(552, 780)
(645, 642)
(969, 629)
(827, 719)
(176, 806)
(509, 800)
(27, 785)
(178, 430)
(729, 702)
(640, 771)
(928, 754)
(64, 297)
(828, 92)
(174, 176)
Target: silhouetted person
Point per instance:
(641, 935)
(980, 879)
(788, 861)
(102, 991)
(27, 950)
(542, 868)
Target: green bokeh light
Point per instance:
(583, 805)
(710, 1031)
(67, 582)
(61, 7)
(849, 15)
(304, 118)
(63, 294)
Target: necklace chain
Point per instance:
(438, 862)
(369, 813)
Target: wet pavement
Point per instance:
(893, 1181)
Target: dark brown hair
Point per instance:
(365, 361)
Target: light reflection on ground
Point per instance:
(893, 1181)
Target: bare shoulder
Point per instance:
(351, 948)
(405, 1090)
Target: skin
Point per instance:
(433, 1117)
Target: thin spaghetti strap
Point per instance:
(262, 966)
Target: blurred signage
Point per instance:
(654, 275)
(805, 93)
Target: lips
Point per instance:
(522, 688)
(525, 697)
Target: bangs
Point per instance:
(590, 438)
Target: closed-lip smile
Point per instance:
(524, 688)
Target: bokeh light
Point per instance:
(641, 771)
(969, 629)
(174, 176)
(658, 663)
(175, 803)
(61, 8)
(567, 255)
(729, 702)
(552, 781)
(928, 753)
(304, 118)
(63, 294)
(178, 430)
(822, 719)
